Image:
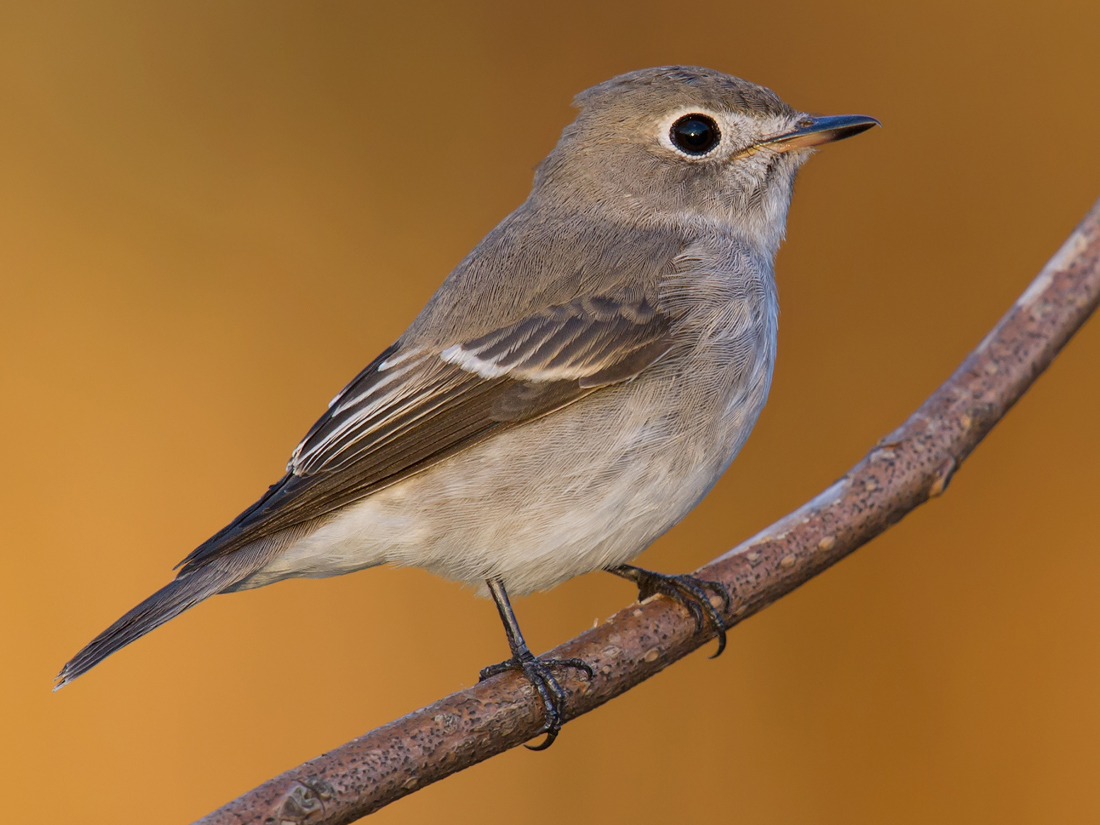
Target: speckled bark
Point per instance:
(902, 471)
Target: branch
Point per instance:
(905, 469)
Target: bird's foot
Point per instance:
(539, 672)
(693, 593)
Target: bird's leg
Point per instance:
(537, 671)
(689, 591)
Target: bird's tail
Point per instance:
(167, 603)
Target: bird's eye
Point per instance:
(695, 135)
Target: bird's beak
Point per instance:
(814, 131)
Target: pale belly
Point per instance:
(586, 488)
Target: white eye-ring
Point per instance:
(693, 134)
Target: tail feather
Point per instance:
(165, 604)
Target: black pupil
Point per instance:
(695, 134)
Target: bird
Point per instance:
(576, 385)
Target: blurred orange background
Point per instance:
(214, 214)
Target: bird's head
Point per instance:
(681, 143)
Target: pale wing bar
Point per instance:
(588, 340)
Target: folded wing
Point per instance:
(412, 407)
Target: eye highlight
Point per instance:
(695, 135)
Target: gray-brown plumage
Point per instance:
(574, 387)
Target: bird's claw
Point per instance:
(689, 591)
(539, 673)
